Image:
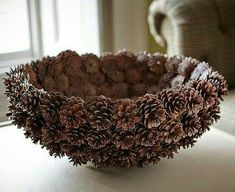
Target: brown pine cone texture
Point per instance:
(118, 110)
(73, 113)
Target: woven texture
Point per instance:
(201, 29)
(88, 108)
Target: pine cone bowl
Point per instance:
(118, 110)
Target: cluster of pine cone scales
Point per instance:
(118, 110)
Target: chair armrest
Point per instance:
(182, 15)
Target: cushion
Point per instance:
(208, 167)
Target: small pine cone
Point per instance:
(209, 115)
(123, 139)
(92, 63)
(53, 133)
(177, 82)
(30, 100)
(199, 70)
(151, 110)
(78, 135)
(172, 64)
(77, 154)
(156, 64)
(187, 66)
(42, 67)
(125, 114)
(133, 76)
(72, 62)
(187, 142)
(33, 128)
(17, 115)
(207, 91)
(149, 152)
(168, 150)
(98, 79)
(73, 114)
(124, 159)
(191, 124)
(116, 76)
(194, 100)
(33, 77)
(100, 157)
(219, 82)
(145, 136)
(108, 63)
(50, 106)
(100, 112)
(125, 60)
(55, 68)
(142, 60)
(54, 149)
(171, 131)
(98, 139)
(138, 89)
(173, 101)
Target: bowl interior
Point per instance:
(116, 76)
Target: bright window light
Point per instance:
(14, 26)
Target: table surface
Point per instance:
(209, 166)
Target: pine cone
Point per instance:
(219, 82)
(151, 110)
(125, 114)
(50, 106)
(208, 116)
(187, 66)
(72, 62)
(78, 135)
(100, 111)
(30, 100)
(125, 60)
(92, 63)
(77, 154)
(191, 124)
(124, 159)
(177, 82)
(171, 131)
(17, 115)
(173, 101)
(145, 136)
(142, 59)
(187, 142)
(42, 67)
(98, 139)
(73, 114)
(199, 70)
(194, 100)
(168, 150)
(54, 149)
(101, 157)
(156, 64)
(53, 133)
(207, 91)
(148, 155)
(33, 128)
(123, 139)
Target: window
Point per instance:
(30, 29)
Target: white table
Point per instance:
(209, 166)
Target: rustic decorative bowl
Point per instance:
(117, 110)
